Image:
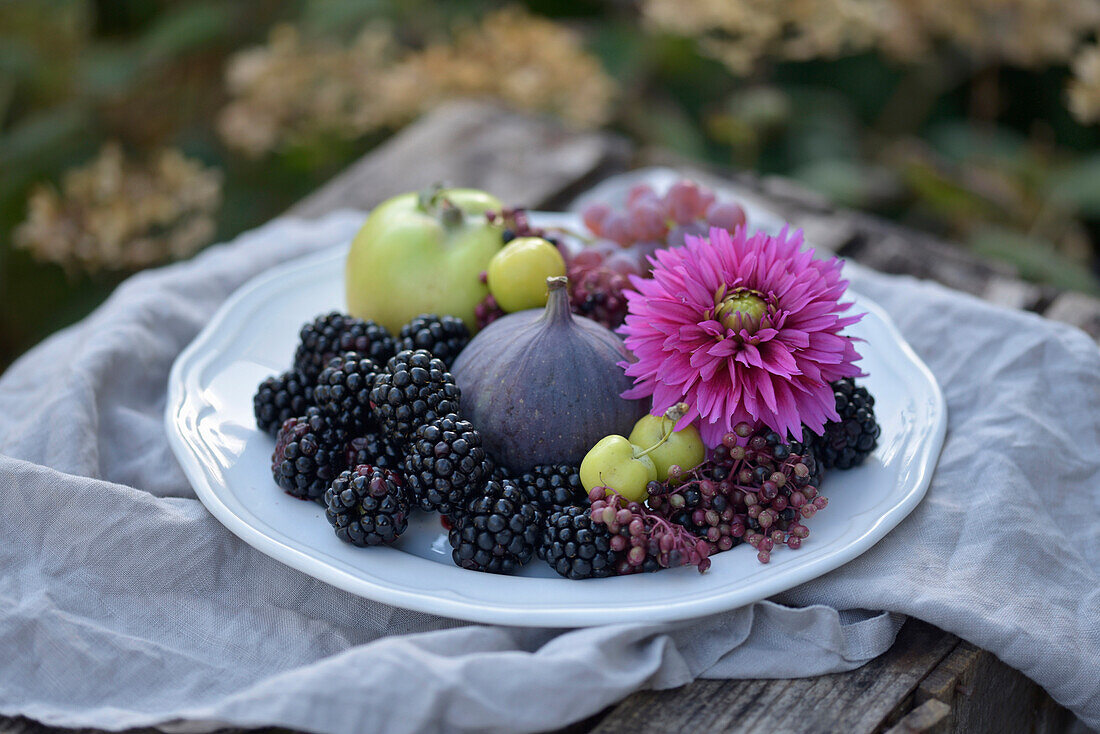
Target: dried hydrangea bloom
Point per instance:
(114, 214)
(1084, 89)
(292, 89)
(528, 62)
(741, 32)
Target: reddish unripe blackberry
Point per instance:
(367, 506)
(376, 449)
(308, 455)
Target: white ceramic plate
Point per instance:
(210, 424)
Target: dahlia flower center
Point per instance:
(741, 309)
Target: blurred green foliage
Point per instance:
(983, 153)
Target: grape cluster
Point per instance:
(757, 490)
(596, 290)
(650, 219)
(626, 239)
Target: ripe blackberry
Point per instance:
(333, 334)
(445, 464)
(375, 449)
(280, 397)
(848, 442)
(413, 389)
(576, 547)
(308, 455)
(367, 505)
(553, 486)
(343, 391)
(498, 530)
(443, 336)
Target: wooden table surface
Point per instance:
(929, 681)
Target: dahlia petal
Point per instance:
(780, 373)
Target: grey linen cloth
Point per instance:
(123, 603)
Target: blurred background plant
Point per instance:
(134, 132)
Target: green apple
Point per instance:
(517, 274)
(620, 466)
(682, 448)
(423, 253)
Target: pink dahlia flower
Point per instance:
(741, 329)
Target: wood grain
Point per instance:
(858, 701)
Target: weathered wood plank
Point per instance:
(928, 718)
(524, 160)
(984, 694)
(862, 700)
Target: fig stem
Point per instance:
(557, 301)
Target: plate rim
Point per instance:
(923, 462)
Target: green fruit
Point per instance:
(683, 448)
(518, 273)
(617, 464)
(422, 253)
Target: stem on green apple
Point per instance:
(671, 417)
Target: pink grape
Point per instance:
(587, 258)
(624, 262)
(616, 227)
(725, 215)
(647, 222)
(682, 202)
(594, 216)
(641, 192)
(706, 198)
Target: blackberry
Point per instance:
(343, 391)
(848, 442)
(553, 486)
(367, 506)
(333, 334)
(414, 388)
(375, 449)
(445, 464)
(576, 547)
(280, 397)
(308, 455)
(443, 336)
(498, 530)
